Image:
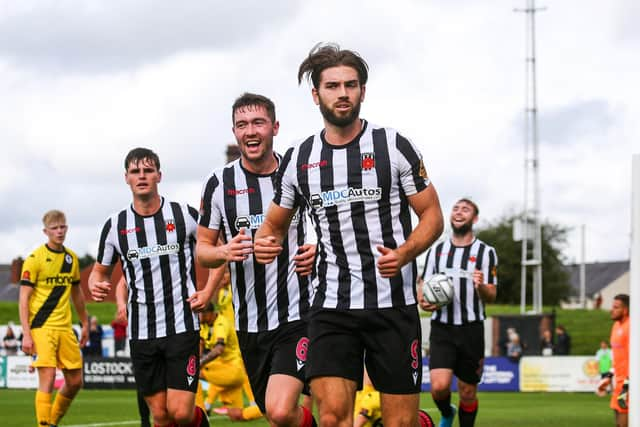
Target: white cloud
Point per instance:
(82, 83)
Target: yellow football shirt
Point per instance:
(221, 330)
(51, 274)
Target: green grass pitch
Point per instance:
(107, 408)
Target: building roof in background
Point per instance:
(597, 276)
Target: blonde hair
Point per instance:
(52, 216)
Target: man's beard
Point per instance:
(343, 121)
(463, 229)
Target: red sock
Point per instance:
(469, 407)
(307, 418)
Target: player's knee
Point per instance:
(182, 415)
(335, 417)
(281, 416)
(440, 390)
(467, 393)
(73, 384)
(160, 415)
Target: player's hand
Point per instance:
(305, 259)
(603, 386)
(84, 334)
(235, 414)
(28, 346)
(390, 263)
(266, 249)
(427, 306)
(199, 300)
(239, 248)
(99, 290)
(478, 278)
(121, 313)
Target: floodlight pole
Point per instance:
(531, 209)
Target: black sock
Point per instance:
(467, 415)
(444, 405)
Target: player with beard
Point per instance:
(620, 350)
(271, 301)
(456, 341)
(361, 182)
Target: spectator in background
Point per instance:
(119, 326)
(563, 341)
(514, 348)
(9, 342)
(546, 344)
(603, 356)
(597, 303)
(94, 346)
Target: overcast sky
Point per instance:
(83, 82)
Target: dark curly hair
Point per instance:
(327, 55)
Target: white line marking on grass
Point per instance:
(119, 423)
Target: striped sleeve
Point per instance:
(107, 254)
(413, 175)
(210, 215)
(285, 191)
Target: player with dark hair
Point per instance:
(50, 278)
(620, 350)
(155, 240)
(271, 301)
(456, 341)
(361, 182)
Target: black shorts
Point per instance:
(386, 340)
(281, 351)
(168, 362)
(459, 348)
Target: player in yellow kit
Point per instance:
(50, 277)
(367, 412)
(221, 361)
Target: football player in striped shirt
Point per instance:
(271, 302)
(456, 340)
(155, 241)
(361, 182)
(50, 278)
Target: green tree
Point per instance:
(86, 260)
(555, 278)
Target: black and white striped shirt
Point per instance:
(157, 257)
(357, 195)
(459, 263)
(264, 296)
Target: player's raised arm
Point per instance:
(268, 239)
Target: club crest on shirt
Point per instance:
(170, 225)
(368, 161)
(68, 259)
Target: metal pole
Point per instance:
(531, 258)
(583, 282)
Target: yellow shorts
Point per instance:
(56, 348)
(223, 375)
